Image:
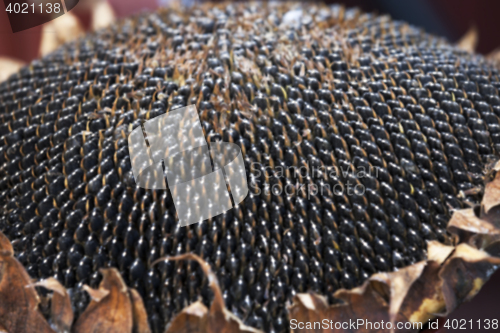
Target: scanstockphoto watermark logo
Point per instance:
(26, 14)
(204, 180)
(309, 181)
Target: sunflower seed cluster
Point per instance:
(314, 88)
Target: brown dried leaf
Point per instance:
(139, 313)
(398, 284)
(192, 319)
(18, 300)
(360, 303)
(5, 246)
(465, 223)
(313, 308)
(438, 252)
(469, 41)
(480, 227)
(96, 294)
(491, 245)
(472, 262)
(415, 294)
(112, 313)
(197, 318)
(61, 312)
(424, 299)
(492, 193)
(113, 308)
(464, 273)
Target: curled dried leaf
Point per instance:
(139, 313)
(492, 193)
(397, 284)
(465, 223)
(113, 307)
(61, 313)
(5, 246)
(480, 227)
(96, 294)
(112, 312)
(18, 300)
(438, 252)
(197, 318)
(424, 299)
(490, 245)
(465, 272)
(192, 319)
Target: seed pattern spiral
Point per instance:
(316, 87)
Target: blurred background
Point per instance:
(449, 18)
